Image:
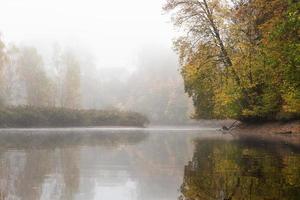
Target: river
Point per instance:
(159, 163)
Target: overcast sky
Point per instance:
(113, 31)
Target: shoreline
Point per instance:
(285, 133)
(269, 128)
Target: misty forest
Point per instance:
(72, 82)
(150, 100)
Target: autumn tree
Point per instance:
(32, 74)
(234, 60)
(71, 81)
(59, 74)
(14, 93)
(3, 62)
(281, 50)
(204, 51)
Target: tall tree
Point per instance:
(14, 93)
(234, 60)
(204, 50)
(71, 81)
(206, 23)
(3, 61)
(34, 77)
(59, 75)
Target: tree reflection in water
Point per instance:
(91, 164)
(45, 164)
(240, 169)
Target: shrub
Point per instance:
(27, 116)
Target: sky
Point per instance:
(113, 32)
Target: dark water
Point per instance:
(145, 164)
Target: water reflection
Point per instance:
(245, 168)
(93, 164)
(143, 164)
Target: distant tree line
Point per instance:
(33, 96)
(240, 58)
(25, 80)
(153, 87)
(70, 79)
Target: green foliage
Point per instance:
(247, 68)
(62, 117)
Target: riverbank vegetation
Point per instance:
(240, 59)
(27, 116)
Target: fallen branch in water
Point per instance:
(226, 129)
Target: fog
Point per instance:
(92, 54)
(113, 31)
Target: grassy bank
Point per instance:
(61, 117)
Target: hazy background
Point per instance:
(105, 54)
(114, 32)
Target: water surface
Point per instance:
(144, 164)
